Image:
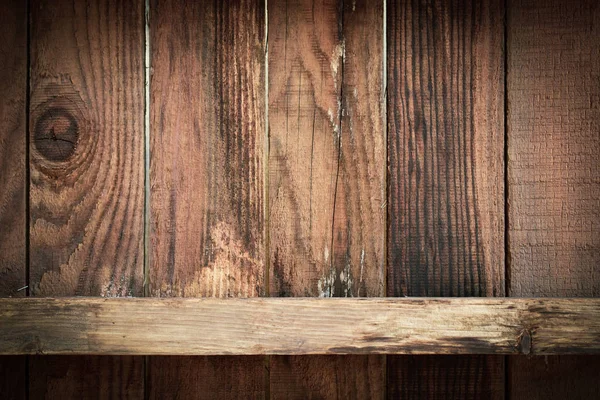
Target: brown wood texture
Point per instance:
(554, 175)
(298, 326)
(87, 174)
(326, 176)
(207, 117)
(445, 186)
(13, 86)
(445, 377)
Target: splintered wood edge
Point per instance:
(178, 326)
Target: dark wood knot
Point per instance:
(56, 134)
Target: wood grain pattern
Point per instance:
(207, 117)
(13, 86)
(554, 175)
(445, 190)
(87, 176)
(326, 176)
(323, 377)
(99, 377)
(289, 326)
(327, 154)
(445, 377)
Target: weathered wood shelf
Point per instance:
(138, 326)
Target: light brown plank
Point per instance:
(87, 176)
(207, 117)
(326, 176)
(554, 175)
(13, 86)
(445, 192)
(197, 326)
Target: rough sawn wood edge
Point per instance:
(208, 326)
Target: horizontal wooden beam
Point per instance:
(138, 326)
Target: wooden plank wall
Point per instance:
(268, 176)
(553, 123)
(207, 140)
(446, 188)
(86, 167)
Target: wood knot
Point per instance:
(56, 134)
(524, 342)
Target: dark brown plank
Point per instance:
(207, 148)
(554, 175)
(445, 377)
(215, 377)
(445, 190)
(326, 176)
(77, 377)
(554, 377)
(13, 86)
(13, 381)
(87, 176)
(327, 377)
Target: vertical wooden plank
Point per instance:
(13, 381)
(554, 175)
(87, 177)
(13, 86)
(326, 176)
(207, 149)
(445, 190)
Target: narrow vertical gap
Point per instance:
(266, 156)
(27, 155)
(384, 105)
(146, 147)
(341, 40)
(266, 191)
(507, 371)
(27, 181)
(506, 160)
(146, 283)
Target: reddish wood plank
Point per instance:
(445, 190)
(207, 144)
(554, 175)
(326, 176)
(13, 86)
(87, 177)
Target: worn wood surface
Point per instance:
(87, 176)
(207, 139)
(554, 175)
(326, 176)
(13, 86)
(201, 326)
(445, 188)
